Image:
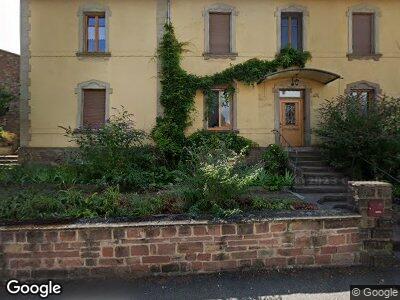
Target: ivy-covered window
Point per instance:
(219, 111)
(292, 30)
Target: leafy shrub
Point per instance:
(231, 140)
(273, 182)
(7, 138)
(5, 99)
(275, 160)
(260, 203)
(361, 140)
(117, 154)
(212, 180)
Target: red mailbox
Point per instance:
(375, 208)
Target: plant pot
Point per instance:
(6, 150)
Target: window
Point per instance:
(220, 28)
(94, 108)
(363, 33)
(220, 111)
(364, 97)
(292, 30)
(95, 32)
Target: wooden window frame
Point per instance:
(85, 34)
(222, 128)
(299, 16)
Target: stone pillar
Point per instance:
(373, 200)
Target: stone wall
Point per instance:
(45, 155)
(9, 80)
(373, 200)
(102, 250)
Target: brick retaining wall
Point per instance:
(104, 250)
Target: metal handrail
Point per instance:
(381, 170)
(289, 147)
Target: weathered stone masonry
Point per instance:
(138, 250)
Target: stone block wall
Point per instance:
(376, 228)
(135, 249)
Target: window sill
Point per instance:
(220, 129)
(231, 56)
(352, 56)
(93, 54)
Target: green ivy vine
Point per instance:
(179, 88)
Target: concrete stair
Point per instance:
(315, 177)
(8, 160)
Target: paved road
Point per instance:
(309, 284)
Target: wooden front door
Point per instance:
(292, 122)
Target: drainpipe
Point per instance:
(169, 11)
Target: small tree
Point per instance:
(361, 138)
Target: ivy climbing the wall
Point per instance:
(179, 88)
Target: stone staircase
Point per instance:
(316, 179)
(8, 160)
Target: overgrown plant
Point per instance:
(5, 99)
(275, 160)
(179, 88)
(361, 138)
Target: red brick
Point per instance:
(166, 249)
(289, 252)
(245, 229)
(336, 239)
(184, 230)
(305, 260)
(269, 242)
(200, 230)
(355, 238)
(57, 254)
(153, 249)
(278, 227)
(228, 264)
(302, 242)
(190, 247)
(214, 230)
(323, 259)
(190, 256)
(107, 252)
(204, 257)
(138, 250)
(122, 251)
(152, 232)
(328, 250)
(46, 247)
(304, 225)
(169, 231)
(348, 248)
(228, 229)
(61, 246)
(345, 223)
(244, 255)
(156, 259)
(111, 261)
(262, 228)
(197, 266)
(24, 263)
(133, 233)
(243, 242)
(68, 236)
(95, 234)
(49, 262)
(70, 263)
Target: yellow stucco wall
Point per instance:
(132, 71)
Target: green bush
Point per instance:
(117, 154)
(230, 140)
(273, 182)
(213, 179)
(5, 99)
(275, 160)
(361, 140)
(259, 203)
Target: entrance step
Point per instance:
(8, 160)
(334, 198)
(312, 163)
(320, 189)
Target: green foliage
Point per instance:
(179, 88)
(274, 182)
(260, 203)
(275, 160)
(361, 142)
(5, 99)
(231, 141)
(213, 180)
(116, 154)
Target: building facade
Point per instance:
(80, 59)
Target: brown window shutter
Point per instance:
(363, 24)
(94, 108)
(220, 28)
